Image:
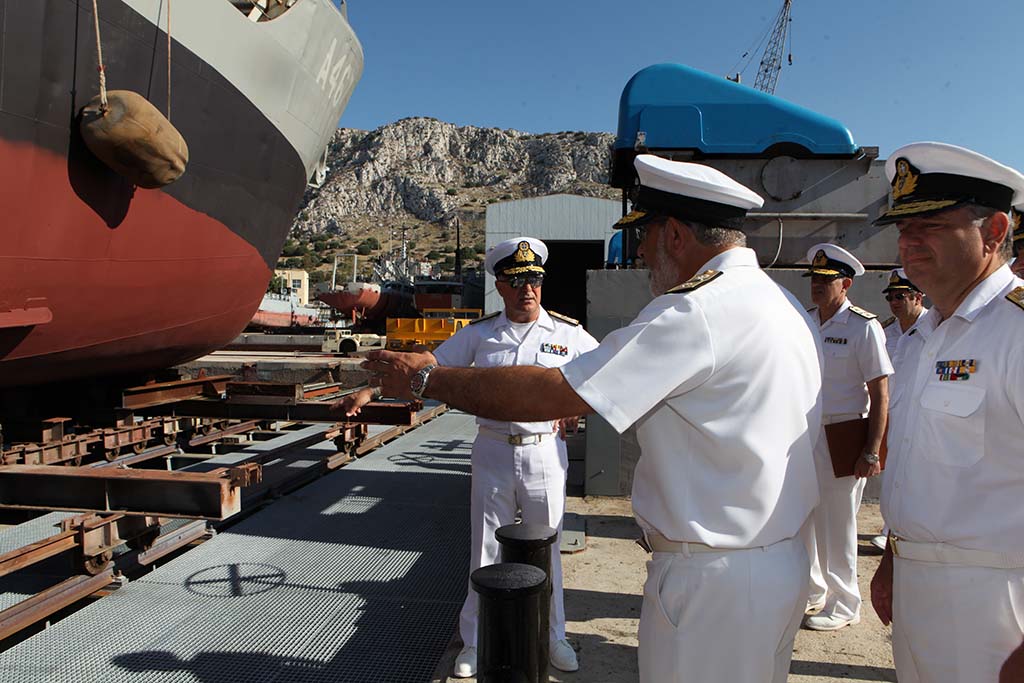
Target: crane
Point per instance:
(771, 61)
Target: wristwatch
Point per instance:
(418, 383)
(870, 458)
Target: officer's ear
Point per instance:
(993, 230)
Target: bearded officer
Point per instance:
(952, 578)
(721, 375)
(854, 389)
(517, 465)
(907, 305)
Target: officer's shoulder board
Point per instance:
(1016, 296)
(564, 318)
(890, 321)
(862, 313)
(695, 282)
(486, 317)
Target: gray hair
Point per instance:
(717, 237)
(979, 214)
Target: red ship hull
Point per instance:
(168, 284)
(98, 277)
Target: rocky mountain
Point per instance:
(423, 175)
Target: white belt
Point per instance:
(514, 439)
(657, 543)
(944, 553)
(842, 417)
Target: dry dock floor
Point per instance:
(604, 584)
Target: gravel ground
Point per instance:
(603, 588)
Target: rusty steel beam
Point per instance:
(206, 495)
(158, 393)
(163, 545)
(398, 413)
(42, 605)
(36, 552)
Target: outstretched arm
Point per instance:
(514, 394)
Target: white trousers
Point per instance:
(832, 538)
(954, 624)
(722, 616)
(507, 478)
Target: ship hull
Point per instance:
(98, 277)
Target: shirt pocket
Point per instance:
(953, 418)
(837, 360)
(551, 360)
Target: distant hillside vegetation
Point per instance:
(422, 174)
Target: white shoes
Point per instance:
(465, 663)
(822, 622)
(562, 656)
(879, 542)
(815, 607)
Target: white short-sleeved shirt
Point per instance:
(955, 472)
(495, 342)
(892, 330)
(893, 346)
(854, 348)
(724, 385)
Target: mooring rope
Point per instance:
(99, 59)
(168, 60)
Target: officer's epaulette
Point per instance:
(486, 317)
(564, 318)
(696, 281)
(1016, 296)
(890, 321)
(862, 313)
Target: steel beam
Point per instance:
(207, 495)
(398, 413)
(165, 392)
(42, 605)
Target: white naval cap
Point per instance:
(688, 191)
(516, 256)
(898, 280)
(829, 259)
(928, 177)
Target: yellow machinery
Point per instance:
(436, 325)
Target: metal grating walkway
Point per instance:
(357, 577)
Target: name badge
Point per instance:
(835, 340)
(556, 349)
(955, 370)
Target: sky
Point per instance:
(892, 71)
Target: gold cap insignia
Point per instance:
(820, 259)
(524, 254)
(894, 279)
(905, 180)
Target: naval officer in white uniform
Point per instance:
(854, 387)
(952, 578)
(516, 464)
(907, 305)
(721, 374)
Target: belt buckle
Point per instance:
(516, 439)
(894, 544)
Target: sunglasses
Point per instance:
(520, 280)
(897, 296)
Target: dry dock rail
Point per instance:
(358, 576)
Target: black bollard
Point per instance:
(508, 624)
(531, 544)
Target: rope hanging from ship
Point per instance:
(130, 135)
